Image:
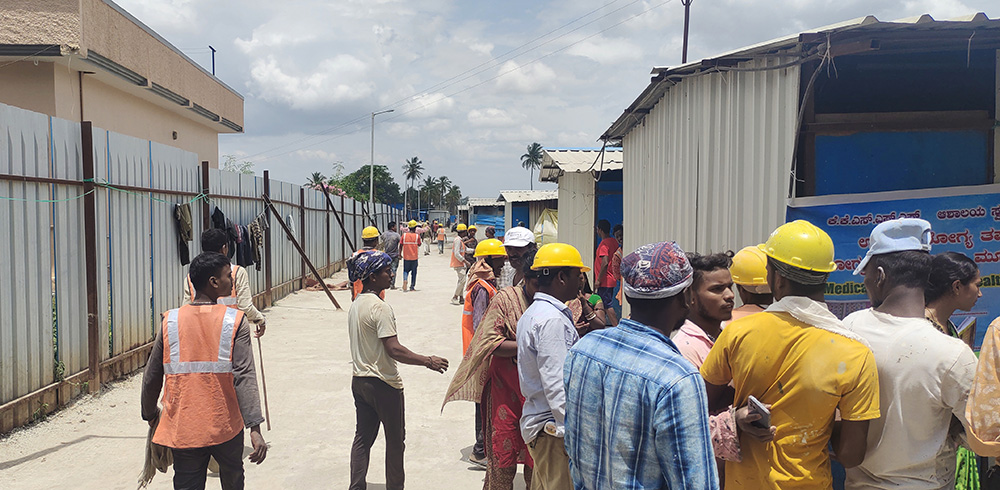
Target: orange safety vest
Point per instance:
(411, 246)
(467, 327)
(200, 408)
(223, 300)
(455, 262)
(440, 234)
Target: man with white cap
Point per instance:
(924, 375)
(636, 412)
(797, 358)
(519, 242)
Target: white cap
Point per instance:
(518, 236)
(897, 235)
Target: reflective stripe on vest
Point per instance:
(225, 362)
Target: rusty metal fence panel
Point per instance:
(26, 347)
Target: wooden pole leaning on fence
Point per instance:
(94, 338)
(302, 253)
(340, 220)
(263, 382)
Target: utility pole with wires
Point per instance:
(687, 21)
(213, 56)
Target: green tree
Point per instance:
(430, 190)
(453, 198)
(443, 186)
(316, 180)
(532, 160)
(412, 170)
(355, 185)
(231, 164)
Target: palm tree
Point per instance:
(412, 170)
(532, 160)
(442, 187)
(430, 187)
(453, 197)
(316, 180)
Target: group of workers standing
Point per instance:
(688, 392)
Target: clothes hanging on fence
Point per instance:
(185, 227)
(218, 218)
(257, 238)
(245, 247)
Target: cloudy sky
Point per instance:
(472, 82)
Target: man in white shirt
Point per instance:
(545, 333)
(924, 375)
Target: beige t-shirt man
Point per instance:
(369, 321)
(924, 379)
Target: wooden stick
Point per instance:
(260, 357)
(302, 253)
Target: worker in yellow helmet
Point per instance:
(801, 361)
(749, 271)
(545, 334)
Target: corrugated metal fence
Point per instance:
(46, 343)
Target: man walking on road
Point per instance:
(377, 386)
(216, 240)
(458, 262)
(636, 415)
(440, 239)
(411, 252)
(924, 375)
(203, 361)
(390, 245)
(544, 335)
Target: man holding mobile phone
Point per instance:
(798, 358)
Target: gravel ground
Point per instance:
(98, 441)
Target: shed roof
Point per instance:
(556, 162)
(849, 37)
(483, 201)
(527, 196)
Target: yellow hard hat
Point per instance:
(412, 223)
(749, 267)
(558, 255)
(801, 244)
(461, 227)
(369, 232)
(490, 246)
(473, 227)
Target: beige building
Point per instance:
(91, 60)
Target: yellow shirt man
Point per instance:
(804, 373)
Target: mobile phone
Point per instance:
(755, 406)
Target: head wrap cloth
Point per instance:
(656, 271)
(365, 264)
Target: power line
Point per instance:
(401, 114)
(471, 72)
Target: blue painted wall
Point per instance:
(889, 161)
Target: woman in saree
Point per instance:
(488, 375)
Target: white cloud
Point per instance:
(532, 78)
(335, 80)
(607, 50)
(317, 155)
(428, 105)
(490, 117)
(179, 15)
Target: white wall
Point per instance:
(576, 213)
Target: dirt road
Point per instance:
(97, 443)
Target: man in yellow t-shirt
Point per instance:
(798, 358)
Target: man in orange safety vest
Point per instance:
(203, 361)
(411, 252)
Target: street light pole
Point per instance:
(371, 167)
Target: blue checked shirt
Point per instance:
(636, 413)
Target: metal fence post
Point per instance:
(268, 297)
(355, 220)
(206, 220)
(94, 337)
(343, 229)
(302, 233)
(326, 238)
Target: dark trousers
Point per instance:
(410, 266)
(478, 450)
(191, 465)
(377, 403)
(395, 267)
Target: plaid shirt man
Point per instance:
(636, 413)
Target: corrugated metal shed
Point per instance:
(561, 161)
(709, 144)
(527, 196)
